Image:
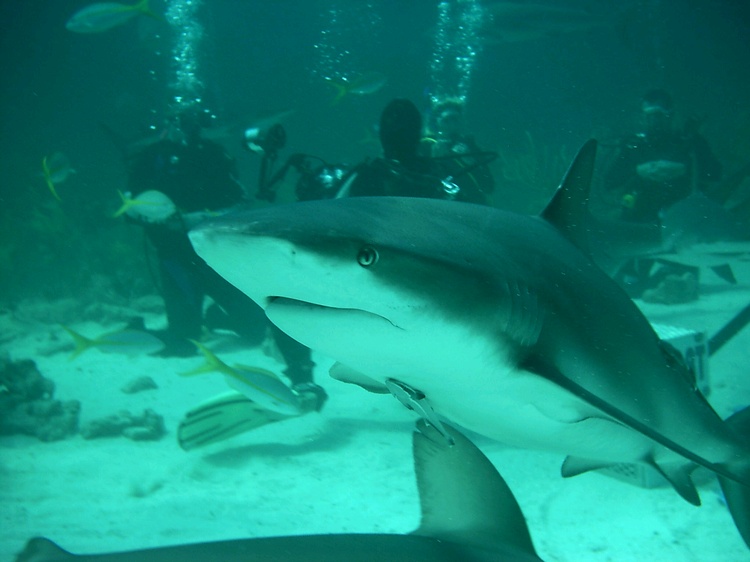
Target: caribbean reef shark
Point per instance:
(468, 514)
(501, 321)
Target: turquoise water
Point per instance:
(533, 98)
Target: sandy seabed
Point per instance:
(346, 469)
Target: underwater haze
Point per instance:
(97, 450)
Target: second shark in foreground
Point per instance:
(468, 514)
(502, 321)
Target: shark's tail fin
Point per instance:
(464, 498)
(40, 549)
(736, 494)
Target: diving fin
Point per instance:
(222, 417)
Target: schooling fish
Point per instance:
(259, 385)
(103, 16)
(127, 342)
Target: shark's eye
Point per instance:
(367, 256)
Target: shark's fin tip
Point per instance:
(568, 208)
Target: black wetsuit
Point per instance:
(462, 159)
(198, 177)
(382, 177)
(201, 177)
(643, 199)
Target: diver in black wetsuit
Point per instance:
(199, 176)
(660, 166)
(402, 170)
(447, 141)
(653, 170)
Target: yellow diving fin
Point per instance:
(222, 417)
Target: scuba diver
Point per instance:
(404, 171)
(446, 140)
(652, 171)
(317, 179)
(200, 179)
(660, 165)
(197, 175)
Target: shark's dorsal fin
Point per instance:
(463, 497)
(568, 208)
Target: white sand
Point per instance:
(348, 469)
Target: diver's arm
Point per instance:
(622, 170)
(709, 167)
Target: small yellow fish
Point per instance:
(259, 385)
(55, 170)
(48, 178)
(127, 342)
(362, 85)
(103, 16)
(149, 206)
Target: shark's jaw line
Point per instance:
(302, 306)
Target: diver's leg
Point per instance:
(183, 301)
(297, 357)
(242, 315)
(248, 320)
(299, 370)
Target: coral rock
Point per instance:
(27, 406)
(147, 427)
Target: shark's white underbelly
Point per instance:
(467, 378)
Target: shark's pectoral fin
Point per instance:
(464, 498)
(348, 375)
